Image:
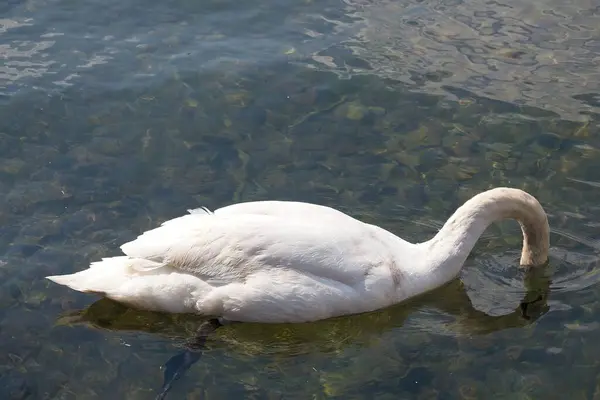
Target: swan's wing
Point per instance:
(230, 248)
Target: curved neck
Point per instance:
(449, 249)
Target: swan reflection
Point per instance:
(445, 311)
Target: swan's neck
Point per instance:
(448, 250)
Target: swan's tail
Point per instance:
(106, 276)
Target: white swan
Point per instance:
(278, 261)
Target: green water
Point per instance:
(181, 117)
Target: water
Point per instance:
(118, 115)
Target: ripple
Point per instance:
(49, 52)
(575, 271)
(542, 54)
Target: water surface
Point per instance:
(118, 115)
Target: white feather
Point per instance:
(277, 261)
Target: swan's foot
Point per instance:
(203, 332)
(530, 307)
(179, 363)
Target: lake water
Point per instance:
(116, 115)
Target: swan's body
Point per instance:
(277, 261)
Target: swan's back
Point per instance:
(286, 209)
(154, 244)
